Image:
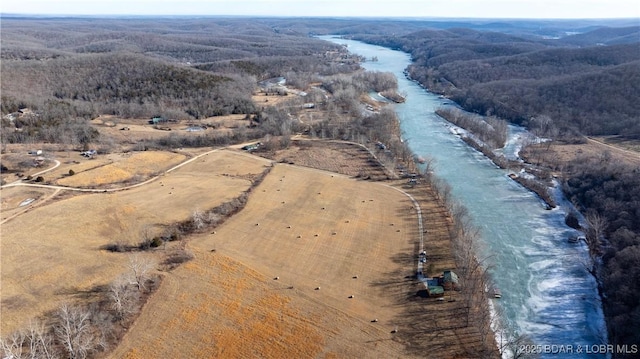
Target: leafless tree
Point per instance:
(13, 345)
(597, 224)
(36, 342)
(74, 332)
(40, 341)
(199, 219)
(140, 268)
(442, 189)
(122, 297)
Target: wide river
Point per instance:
(546, 292)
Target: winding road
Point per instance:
(58, 189)
(79, 189)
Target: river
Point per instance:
(547, 292)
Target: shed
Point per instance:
(450, 280)
(156, 120)
(435, 291)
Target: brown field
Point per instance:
(124, 133)
(13, 199)
(345, 158)
(629, 143)
(309, 228)
(262, 99)
(133, 165)
(623, 152)
(38, 247)
(360, 231)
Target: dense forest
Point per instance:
(592, 90)
(609, 193)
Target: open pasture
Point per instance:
(52, 253)
(16, 199)
(127, 167)
(136, 131)
(314, 266)
(345, 157)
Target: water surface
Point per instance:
(547, 292)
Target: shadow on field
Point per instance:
(426, 326)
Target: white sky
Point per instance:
(369, 8)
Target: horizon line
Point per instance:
(337, 17)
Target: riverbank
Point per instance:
(523, 245)
(487, 138)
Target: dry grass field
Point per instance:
(316, 265)
(130, 166)
(619, 151)
(345, 158)
(343, 250)
(262, 99)
(17, 199)
(127, 133)
(311, 229)
(51, 253)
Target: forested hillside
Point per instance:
(70, 70)
(593, 90)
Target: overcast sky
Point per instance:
(368, 8)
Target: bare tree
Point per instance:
(13, 346)
(122, 298)
(140, 268)
(40, 341)
(597, 225)
(34, 342)
(199, 219)
(429, 167)
(74, 332)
